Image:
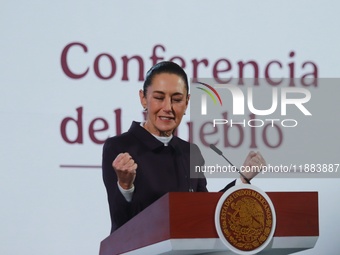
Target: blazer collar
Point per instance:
(148, 139)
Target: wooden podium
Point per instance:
(183, 223)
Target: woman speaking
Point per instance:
(148, 161)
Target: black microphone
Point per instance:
(219, 152)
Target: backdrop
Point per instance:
(70, 72)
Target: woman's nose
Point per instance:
(167, 105)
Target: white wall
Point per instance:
(49, 209)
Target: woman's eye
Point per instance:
(177, 100)
(159, 98)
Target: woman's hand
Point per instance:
(252, 165)
(125, 168)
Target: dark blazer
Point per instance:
(161, 169)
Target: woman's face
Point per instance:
(166, 101)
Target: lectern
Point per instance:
(183, 223)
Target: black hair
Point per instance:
(165, 67)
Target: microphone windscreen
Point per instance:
(214, 148)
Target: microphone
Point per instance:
(219, 152)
